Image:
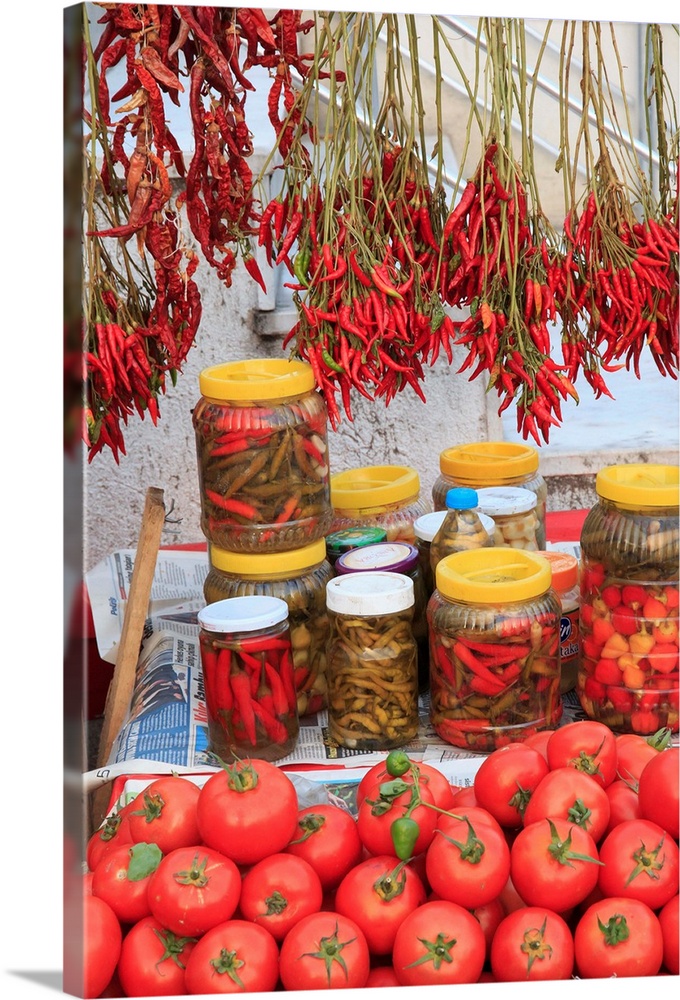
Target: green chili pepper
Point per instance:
(397, 763)
(404, 832)
(301, 266)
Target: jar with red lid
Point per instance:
(628, 676)
(494, 626)
(248, 678)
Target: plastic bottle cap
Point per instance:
(461, 498)
(502, 501)
(426, 526)
(353, 538)
(257, 380)
(489, 461)
(640, 485)
(376, 593)
(243, 614)
(393, 557)
(263, 563)
(373, 486)
(493, 575)
(564, 568)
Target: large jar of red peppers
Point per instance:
(299, 578)
(248, 678)
(494, 626)
(261, 440)
(628, 676)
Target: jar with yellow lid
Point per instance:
(564, 568)
(628, 676)
(372, 671)
(384, 495)
(248, 678)
(299, 578)
(494, 625)
(262, 447)
(492, 463)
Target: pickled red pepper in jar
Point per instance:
(248, 678)
(261, 442)
(494, 626)
(628, 676)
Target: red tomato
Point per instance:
(464, 797)
(193, 889)
(373, 824)
(640, 862)
(327, 837)
(165, 814)
(632, 753)
(102, 939)
(669, 922)
(506, 779)
(382, 975)
(532, 943)
(624, 803)
(468, 864)
(429, 777)
(509, 897)
(247, 811)
(586, 745)
(440, 942)
(553, 864)
(114, 832)
(324, 950)
(571, 795)
(378, 893)
(539, 741)
(153, 960)
(618, 937)
(489, 916)
(122, 879)
(659, 788)
(236, 956)
(278, 891)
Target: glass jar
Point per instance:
(248, 678)
(261, 441)
(339, 542)
(565, 584)
(396, 557)
(372, 668)
(494, 624)
(462, 527)
(493, 463)
(513, 510)
(299, 578)
(384, 495)
(628, 676)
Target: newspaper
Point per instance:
(166, 725)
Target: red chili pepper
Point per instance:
(240, 685)
(232, 505)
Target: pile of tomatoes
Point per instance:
(559, 861)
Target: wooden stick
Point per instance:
(122, 684)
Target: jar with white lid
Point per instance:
(630, 556)
(513, 510)
(462, 527)
(396, 557)
(248, 678)
(494, 623)
(384, 495)
(262, 447)
(372, 664)
(482, 464)
(299, 578)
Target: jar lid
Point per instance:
(353, 538)
(461, 498)
(426, 526)
(564, 568)
(493, 575)
(243, 614)
(373, 486)
(489, 461)
(259, 563)
(256, 380)
(393, 557)
(501, 501)
(375, 593)
(639, 485)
